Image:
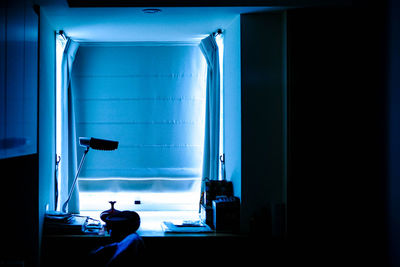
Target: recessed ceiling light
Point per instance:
(151, 10)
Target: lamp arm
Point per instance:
(64, 207)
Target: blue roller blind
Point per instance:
(150, 98)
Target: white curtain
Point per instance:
(68, 163)
(212, 116)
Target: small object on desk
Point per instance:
(68, 224)
(59, 223)
(189, 224)
(92, 226)
(213, 190)
(56, 216)
(185, 227)
(226, 214)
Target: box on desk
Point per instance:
(226, 214)
(212, 190)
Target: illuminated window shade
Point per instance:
(151, 99)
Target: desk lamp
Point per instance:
(95, 143)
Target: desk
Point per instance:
(174, 250)
(171, 248)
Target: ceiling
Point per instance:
(130, 24)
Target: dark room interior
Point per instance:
(308, 106)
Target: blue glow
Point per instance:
(60, 45)
(220, 42)
(152, 100)
(150, 201)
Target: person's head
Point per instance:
(123, 224)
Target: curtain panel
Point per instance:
(68, 163)
(212, 116)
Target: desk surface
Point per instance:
(149, 234)
(150, 225)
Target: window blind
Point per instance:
(152, 100)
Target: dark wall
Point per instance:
(393, 183)
(323, 133)
(19, 212)
(19, 174)
(262, 103)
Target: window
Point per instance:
(151, 98)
